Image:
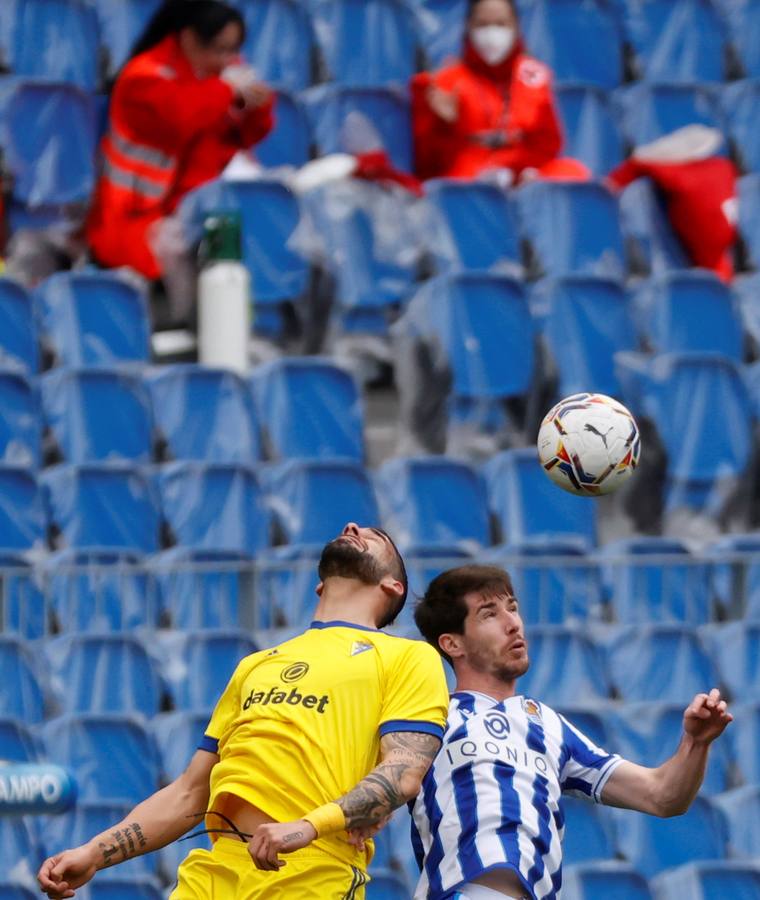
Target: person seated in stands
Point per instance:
(181, 108)
(491, 111)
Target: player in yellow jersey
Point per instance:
(313, 743)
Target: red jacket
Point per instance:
(169, 132)
(514, 98)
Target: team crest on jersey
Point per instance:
(532, 73)
(359, 647)
(531, 709)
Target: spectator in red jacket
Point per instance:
(181, 108)
(491, 110)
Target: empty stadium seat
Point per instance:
(102, 505)
(736, 650)
(20, 853)
(18, 330)
(366, 42)
(653, 110)
(198, 665)
(120, 25)
(654, 246)
(559, 32)
(526, 504)
(746, 289)
(97, 414)
(99, 590)
(740, 102)
(588, 320)
(682, 41)
(279, 42)
(103, 673)
(659, 662)
(735, 582)
(203, 413)
(21, 693)
(572, 227)
(749, 217)
(743, 17)
(289, 141)
(214, 506)
(112, 756)
(593, 720)
(588, 832)
(94, 318)
(20, 424)
(602, 880)
(11, 891)
(8, 13)
(564, 665)
(178, 735)
(440, 26)
(204, 588)
(312, 500)
(590, 126)
(386, 885)
(472, 226)
(745, 735)
(22, 514)
(727, 878)
(433, 500)
(121, 887)
(425, 561)
(692, 311)
(653, 579)
(309, 407)
(286, 581)
(741, 807)
(24, 611)
(16, 741)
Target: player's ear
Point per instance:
(392, 587)
(319, 588)
(451, 644)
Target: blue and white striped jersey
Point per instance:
(492, 798)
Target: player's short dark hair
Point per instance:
(398, 570)
(443, 609)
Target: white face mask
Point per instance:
(493, 42)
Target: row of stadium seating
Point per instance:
(293, 44)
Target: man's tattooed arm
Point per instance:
(122, 844)
(405, 758)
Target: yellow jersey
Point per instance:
(300, 724)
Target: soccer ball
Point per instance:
(589, 444)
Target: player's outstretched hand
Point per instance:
(61, 874)
(279, 837)
(706, 717)
(357, 836)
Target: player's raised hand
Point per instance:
(706, 717)
(279, 837)
(61, 874)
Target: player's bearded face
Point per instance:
(342, 558)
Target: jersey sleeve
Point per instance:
(226, 709)
(585, 767)
(416, 696)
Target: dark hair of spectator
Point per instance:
(471, 4)
(205, 17)
(443, 609)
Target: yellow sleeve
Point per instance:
(416, 695)
(225, 710)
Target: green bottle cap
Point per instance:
(221, 236)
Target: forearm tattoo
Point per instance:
(124, 844)
(406, 755)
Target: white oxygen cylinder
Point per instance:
(224, 297)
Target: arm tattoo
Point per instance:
(406, 755)
(123, 844)
(293, 836)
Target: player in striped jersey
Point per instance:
(488, 821)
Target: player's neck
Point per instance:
(484, 683)
(347, 600)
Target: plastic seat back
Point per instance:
(279, 42)
(653, 110)
(21, 692)
(22, 513)
(740, 102)
(591, 130)
(20, 424)
(289, 141)
(18, 330)
(565, 665)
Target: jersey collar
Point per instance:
(338, 624)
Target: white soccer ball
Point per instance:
(589, 444)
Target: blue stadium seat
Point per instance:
(741, 807)
(8, 13)
(590, 126)
(20, 424)
(735, 575)
(98, 673)
(746, 741)
(386, 885)
(593, 719)
(203, 588)
(740, 102)
(312, 500)
(203, 414)
(602, 880)
(440, 26)
(121, 887)
(654, 579)
(728, 878)
(588, 832)
(97, 414)
(309, 407)
(198, 665)
(120, 25)
(743, 17)
(16, 741)
(386, 110)
(746, 288)
(648, 733)
(681, 41)
(22, 514)
(18, 329)
(289, 141)
(564, 665)
(24, 611)
(472, 226)
(433, 500)
(423, 562)
(749, 217)
(526, 504)
(654, 246)
(94, 318)
(572, 227)
(559, 32)
(21, 693)
(57, 39)
(112, 756)
(367, 42)
(14, 891)
(690, 311)
(659, 662)
(286, 585)
(177, 736)
(588, 320)
(102, 505)
(279, 42)
(653, 844)
(49, 146)
(20, 853)
(738, 661)
(653, 110)
(214, 506)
